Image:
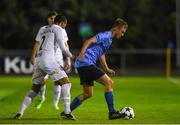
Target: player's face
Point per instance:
(51, 20)
(120, 32)
(63, 24)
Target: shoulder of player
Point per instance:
(104, 34)
(43, 27)
(64, 30)
(56, 27)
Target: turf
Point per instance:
(155, 100)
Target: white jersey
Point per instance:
(45, 62)
(39, 35)
(51, 37)
(59, 55)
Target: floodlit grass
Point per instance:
(155, 100)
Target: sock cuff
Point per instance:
(80, 101)
(110, 92)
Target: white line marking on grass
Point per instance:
(175, 81)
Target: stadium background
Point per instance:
(152, 24)
(153, 27)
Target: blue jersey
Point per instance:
(94, 51)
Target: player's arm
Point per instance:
(34, 51)
(36, 46)
(64, 49)
(85, 46)
(67, 61)
(61, 44)
(104, 65)
(66, 44)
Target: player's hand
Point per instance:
(67, 64)
(73, 58)
(110, 72)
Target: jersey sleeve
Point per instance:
(59, 38)
(65, 36)
(99, 38)
(38, 36)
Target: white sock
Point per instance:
(27, 101)
(66, 96)
(57, 94)
(42, 92)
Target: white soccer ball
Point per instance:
(128, 113)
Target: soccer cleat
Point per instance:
(39, 103)
(56, 107)
(116, 115)
(67, 116)
(17, 116)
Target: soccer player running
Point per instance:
(46, 63)
(59, 57)
(94, 49)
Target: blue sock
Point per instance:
(110, 101)
(75, 103)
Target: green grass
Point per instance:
(155, 100)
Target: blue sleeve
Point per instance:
(99, 38)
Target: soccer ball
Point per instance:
(128, 113)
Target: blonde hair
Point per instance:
(120, 23)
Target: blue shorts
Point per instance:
(90, 73)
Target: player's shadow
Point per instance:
(31, 119)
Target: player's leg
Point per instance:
(87, 75)
(27, 100)
(66, 96)
(42, 93)
(37, 79)
(62, 89)
(87, 93)
(108, 92)
(58, 75)
(43, 88)
(57, 95)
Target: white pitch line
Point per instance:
(175, 81)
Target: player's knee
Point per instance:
(108, 85)
(36, 88)
(32, 94)
(62, 81)
(88, 95)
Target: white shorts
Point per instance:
(53, 69)
(61, 63)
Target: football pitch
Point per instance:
(155, 100)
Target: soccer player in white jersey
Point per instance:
(59, 57)
(50, 20)
(67, 66)
(46, 63)
(57, 89)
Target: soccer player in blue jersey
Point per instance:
(94, 49)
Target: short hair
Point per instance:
(120, 23)
(52, 13)
(59, 18)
